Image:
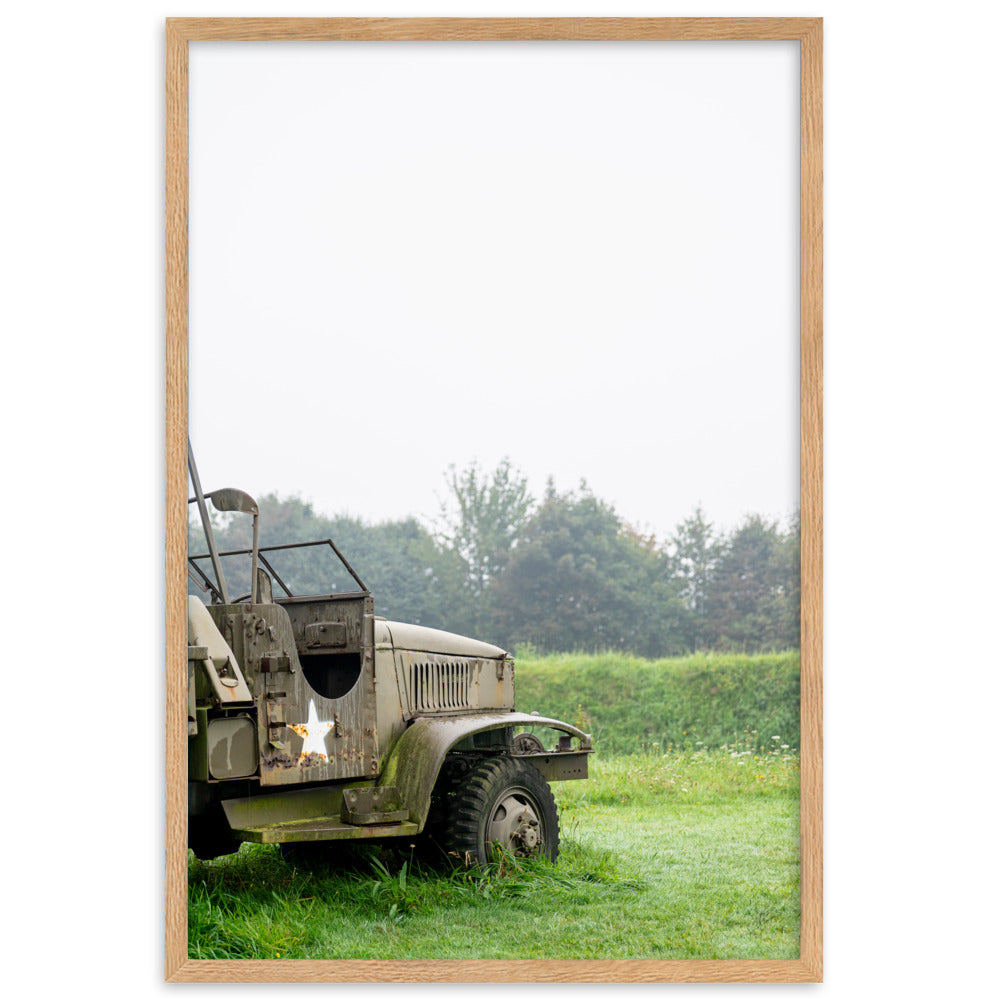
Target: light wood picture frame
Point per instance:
(808, 33)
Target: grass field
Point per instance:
(668, 853)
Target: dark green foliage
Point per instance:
(747, 601)
(694, 554)
(413, 580)
(579, 579)
(705, 700)
(481, 521)
(792, 614)
(564, 574)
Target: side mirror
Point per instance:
(236, 500)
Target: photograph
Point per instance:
(490, 400)
(534, 472)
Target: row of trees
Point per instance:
(563, 573)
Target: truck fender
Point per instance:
(415, 760)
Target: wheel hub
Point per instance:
(514, 824)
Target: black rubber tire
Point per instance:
(486, 799)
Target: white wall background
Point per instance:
(911, 537)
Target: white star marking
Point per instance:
(314, 733)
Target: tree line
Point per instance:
(561, 573)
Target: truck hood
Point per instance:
(419, 639)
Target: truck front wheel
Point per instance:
(502, 801)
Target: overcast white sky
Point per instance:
(583, 256)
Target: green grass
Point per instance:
(628, 703)
(665, 854)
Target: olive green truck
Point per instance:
(311, 719)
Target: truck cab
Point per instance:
(312, 719)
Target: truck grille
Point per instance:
(439, 687)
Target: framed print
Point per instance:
(526, 316)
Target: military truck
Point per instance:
(311, 719)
